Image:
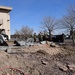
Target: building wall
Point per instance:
(5, 22)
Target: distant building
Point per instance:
(5, 19)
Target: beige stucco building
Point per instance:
(5, 19)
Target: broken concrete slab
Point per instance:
(3, 48)
(14, 50)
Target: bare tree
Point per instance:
(49, 24)
(17, 32)
(25, 32)
(68, 21)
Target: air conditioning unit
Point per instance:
(1, 21)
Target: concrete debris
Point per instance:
(52, 44)
(71, 67)
(65, 68)
(9, 50)
(48, 42)
(42, 52)
(38, 59)
(62, 44)
(43, 42)
(44, 62)
(61, 66)
(27, 43)
(3, 48)
(30, 40)
(12, 50)
(22, 43)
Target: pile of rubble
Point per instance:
(29, 58)
(26, 59)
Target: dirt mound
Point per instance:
(36, 60)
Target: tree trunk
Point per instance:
(50, 36)
(72, 34)
(73, 38)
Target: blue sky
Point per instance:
(31, 12)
